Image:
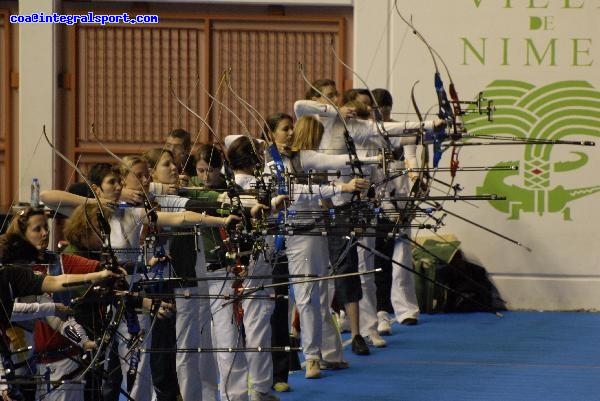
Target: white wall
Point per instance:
(561, 272)
(37, 91)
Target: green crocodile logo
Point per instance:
(555, 111)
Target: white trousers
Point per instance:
(196, 371)
(319, 336)
(306, 255)
(257, 325)
(233, 382)
(404, 297)
(235, 367)
(368, 304)
(331, 342)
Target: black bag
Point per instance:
(477, 292)
(442, 261)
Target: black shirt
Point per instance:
(16, 281)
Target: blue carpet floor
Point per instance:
(523, 356)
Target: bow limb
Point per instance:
(230, 236)
(432, 52)
(421, 184)
(216, 138)
(14, 199)
(150, 211)
(355, 163)
(388, 150)
(268, 136)
(458, 112)
(195, 114)
(240, 121)
(232, 192)
(445, 111)
(449, 111)
(276, 167)
(102, 235)
(234, 198)
(103, 232)
(197, 137)
(454, 117)
(228, 109)
(376, 108)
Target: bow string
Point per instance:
(109, 261)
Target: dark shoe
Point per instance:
(410, 321)
(325, 365)
(359, 346)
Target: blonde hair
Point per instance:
(361, 109)
(77, 230)
(308, 132)
(127, 163)
(153, 156)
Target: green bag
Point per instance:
(431, 256)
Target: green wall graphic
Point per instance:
(565, 110)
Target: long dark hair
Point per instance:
(210, 154)
(14, 246)
(274, 119)
(242, 153)
(319, 84)
(18, 225)
(16, 249)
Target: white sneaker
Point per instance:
(384, 325)
(375, 339)
(343, 322)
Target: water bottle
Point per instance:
(35, 193)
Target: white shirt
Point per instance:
(125, 232)
(363, 132)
